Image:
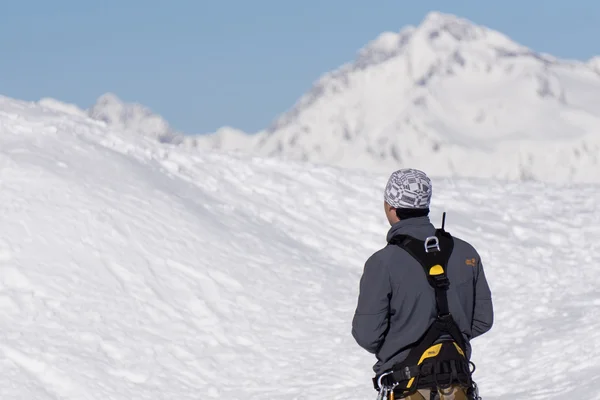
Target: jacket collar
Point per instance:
(419, 227)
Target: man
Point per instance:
(397, 303)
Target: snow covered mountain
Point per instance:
(136, 119)
(131, 269)
(448, 96)
(132, 117)
(127, 118)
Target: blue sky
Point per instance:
(204, 64)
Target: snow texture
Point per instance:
(134, 269)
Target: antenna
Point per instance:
(443, 219)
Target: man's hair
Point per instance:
(406, 213)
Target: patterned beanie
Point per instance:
(408, 188)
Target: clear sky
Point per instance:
(204, 64)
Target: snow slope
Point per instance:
(451, 96)
(131, 269)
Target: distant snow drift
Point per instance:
(131, 269)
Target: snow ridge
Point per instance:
(133, 269)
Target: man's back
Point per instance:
(396, 304)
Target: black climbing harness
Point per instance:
(438, 360)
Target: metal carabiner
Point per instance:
(392, 396)
(381, 377)
(383, 390)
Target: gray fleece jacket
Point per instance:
(396, 304)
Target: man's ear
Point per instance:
(388, 207)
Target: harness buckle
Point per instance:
(440, 281)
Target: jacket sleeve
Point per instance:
(483, 312)
(371, 318)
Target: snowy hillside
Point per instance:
(452, 96)
(131, 269)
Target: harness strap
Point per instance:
(433, 255)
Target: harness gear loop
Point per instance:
(435, 246)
